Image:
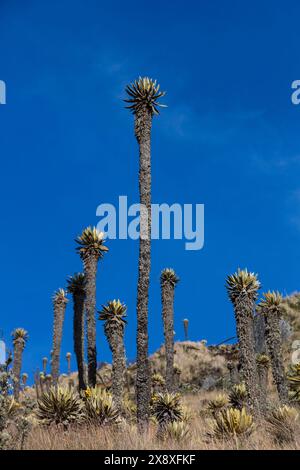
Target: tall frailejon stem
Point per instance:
(20, 337)
(243, 289)
(59, 303)
(168, 281)
(76, 287)
(91, 248)
(270, 308)
(45, 362)
(143, 95)
(186, 328)
(263, 363)
(113, 314)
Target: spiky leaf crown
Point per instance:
(262, 360)
(167, 407)
(76, 284)
(68, 355)
(91, 243)
(60, 297)
(241, 282)
(271, 302)
(19, 334)
(232, 422)
(144, 92)
(113, 313)
(168, 275)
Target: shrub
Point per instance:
(282, 423)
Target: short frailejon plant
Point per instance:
(20, 337)
(168, 282)
(293, 378)
(114, 316)
(166, 408)
(218, 403)
(232, 423)
(242, 288)
(238, 396)
(91, 248)
(76, 287)
(59, 406)
(143, 95)
(100, 408)
(270, 307)
(59, 306)
(282, 423)
(178, 431)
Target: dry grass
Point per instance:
(127, 438)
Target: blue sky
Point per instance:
(229, 139)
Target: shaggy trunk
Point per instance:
(143, 122)
(90, 271)
(78, 336)
(244, 308)
(274, 344)
(263, 384)
(59, 316)
(115, 337)
(18, 351)
(167, 296)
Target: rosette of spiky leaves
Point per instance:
(76, 284)
(242, 282)
(144, 92)
(232, 423)
(60, 297)
(167, 407)
(177, 431)
(168, 275)
(218, 403)
(262, 361)
(59, 406)
(271, 302)
(113, 313)
(157, 379)
(91, 243)
(99, 407)
(19, 334)
(238, 396)
(281, 423)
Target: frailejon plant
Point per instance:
(242, 288)
(20, 337)
(114, 314)
(219, 403)
(232, 423)
(270, 307)
(143, 96)
(45, 362)
(238, 396)
(178, 431)
(59, 406)
(293, 378)
(99, 406)
(263, 364)
(68, 358)
(282, 423)
(166, 408)
(59, 306)
(91, 248)
(186, 328)
(76, 287)
(168, 282)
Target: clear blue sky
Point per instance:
(229, 139)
